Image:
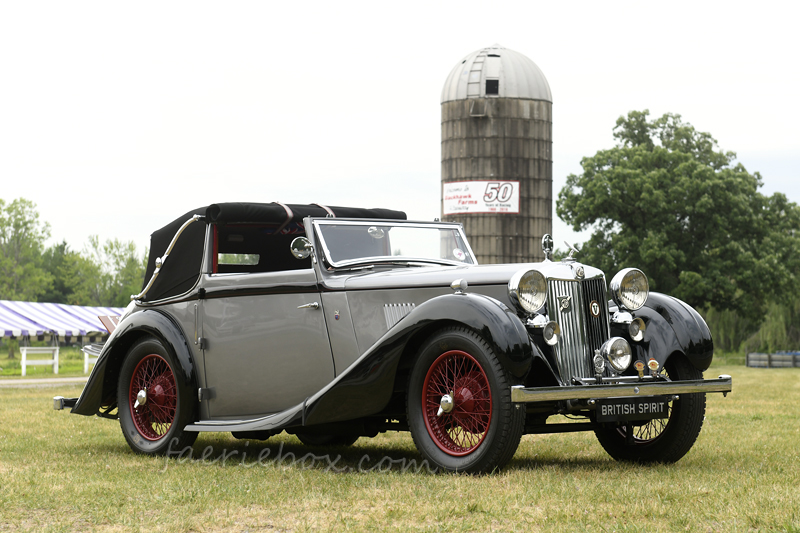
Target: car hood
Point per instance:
(443, 276)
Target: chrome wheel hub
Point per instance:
(141, 398)
(445, 405)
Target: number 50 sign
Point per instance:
(461, 197)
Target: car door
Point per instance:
(265, 344)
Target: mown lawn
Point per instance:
(62, 472)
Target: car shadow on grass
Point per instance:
(365, 456)
(564, 462)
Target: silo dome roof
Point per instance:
(496, 71)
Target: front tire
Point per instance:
(151, 427)
(482, 430)
(663, 440)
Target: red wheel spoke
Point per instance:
(153, 375)
(461, 431)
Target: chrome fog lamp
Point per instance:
(618, 352)
(551, 333)
(527, 290)
(636, 329)
(629, 289)
(599, 363)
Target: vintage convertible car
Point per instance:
(337, 323)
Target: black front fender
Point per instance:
(366, 387)
(673, 326)
(100, 389)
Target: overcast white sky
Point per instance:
(115, 118)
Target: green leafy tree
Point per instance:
(666, 199)
(104, 274)
(22, 237)
(126, 271)
(83, 278)
(53, 261)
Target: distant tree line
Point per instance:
(101, 274)
(667, 200)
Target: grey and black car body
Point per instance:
(337, 323)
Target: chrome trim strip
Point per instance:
(163, 258)
(519, 393)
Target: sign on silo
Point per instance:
(471, 197)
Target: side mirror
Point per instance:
(301, 248)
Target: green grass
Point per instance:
(62, 472)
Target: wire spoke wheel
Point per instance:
(652, 429)
(155, 399)
(463, 429)
(154, 418)
(458, 404)
(661, 440)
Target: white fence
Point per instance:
(774, 360)
(52, 350)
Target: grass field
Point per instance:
(62, 472)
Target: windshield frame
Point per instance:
(389, 259)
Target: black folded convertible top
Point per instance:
(181, 270)
(276, 213)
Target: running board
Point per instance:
(292, 416)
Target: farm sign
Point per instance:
(467, 197)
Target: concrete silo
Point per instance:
(497, 163)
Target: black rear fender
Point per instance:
(101, 388)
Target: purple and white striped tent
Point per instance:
(31, 319)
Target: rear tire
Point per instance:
(663, 440)
(481, 432)
(152, 427)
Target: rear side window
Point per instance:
(238, 259)
(243, 248)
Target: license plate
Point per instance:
(626, 409)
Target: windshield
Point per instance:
(346, 242)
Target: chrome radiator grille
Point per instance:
(581, 332)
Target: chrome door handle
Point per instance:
(312, 305)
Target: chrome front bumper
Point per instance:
(723, 384)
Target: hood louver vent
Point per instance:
(395, 312)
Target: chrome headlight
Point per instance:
(629, 289)
(618, 352)
(527, 290)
